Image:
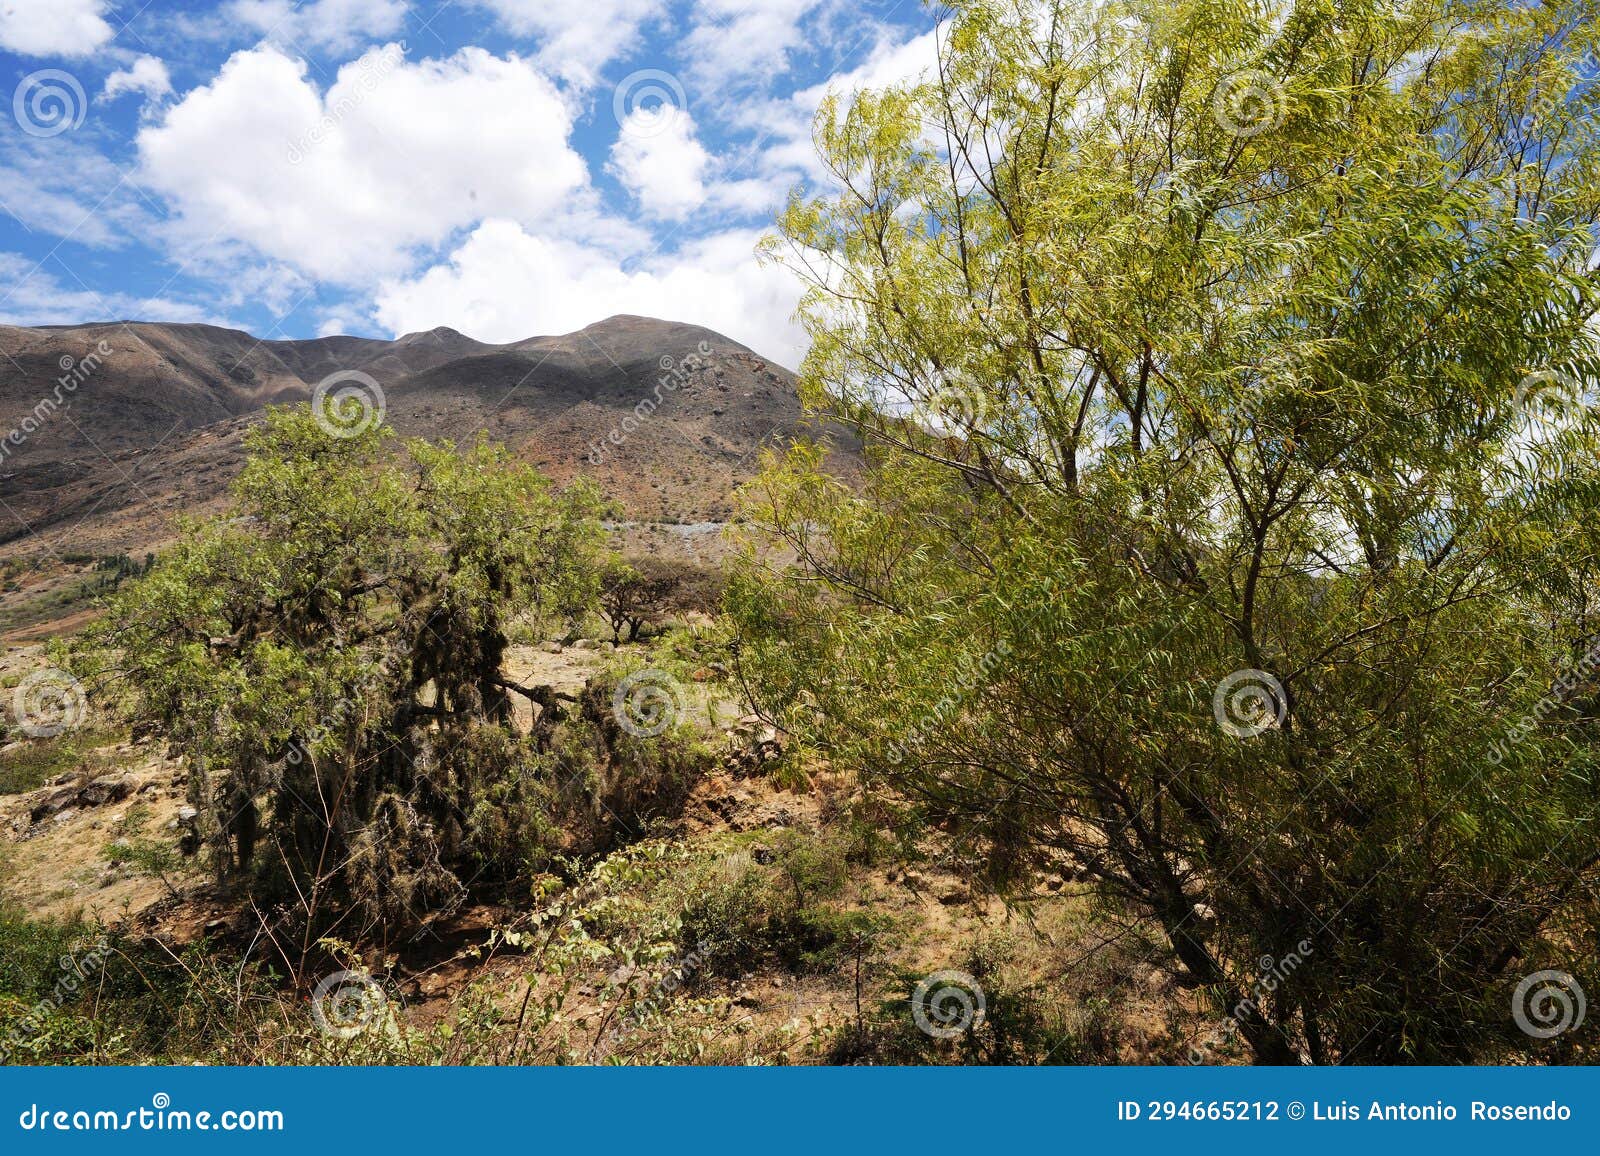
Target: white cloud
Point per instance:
(64, 185)
(53, 27)
(734, 40)
(331, 24)
(34, 199)
(755, 181)
(413, 193)
(146, 75)
(577, 38)
(891, 62)
(658, 159)
(346, 186)
(505, 284)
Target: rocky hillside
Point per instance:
(115, 429)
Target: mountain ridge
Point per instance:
(666, 417)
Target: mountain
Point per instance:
(117, 428)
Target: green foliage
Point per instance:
(1155, 398)
(643, 591)
(329, 657)
(148, 856)
(630, 597)
(749, 912)
(75, 993)
(591, 789)
(72, 593)
(1022, 1021)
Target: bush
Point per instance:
(751, 913)
(348, 623)
(1022, 1022)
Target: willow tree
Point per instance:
(329, 659)
(1230, 528)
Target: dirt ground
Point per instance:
(62, 864)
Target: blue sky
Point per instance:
(505, 167)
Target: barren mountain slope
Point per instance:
(666, 417)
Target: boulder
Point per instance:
(107, 789)
(52, 802)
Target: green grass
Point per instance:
(56, 604)
(38, 761)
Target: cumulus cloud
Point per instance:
(331, 24)
(505, 283)
(409, 193)
(345, 186)
(659, 159)
(53, 27)
(334, 325)
(146, 75)
(577, 38)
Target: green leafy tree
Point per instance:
(329, 658)
(632, 594)
(1230, 533)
